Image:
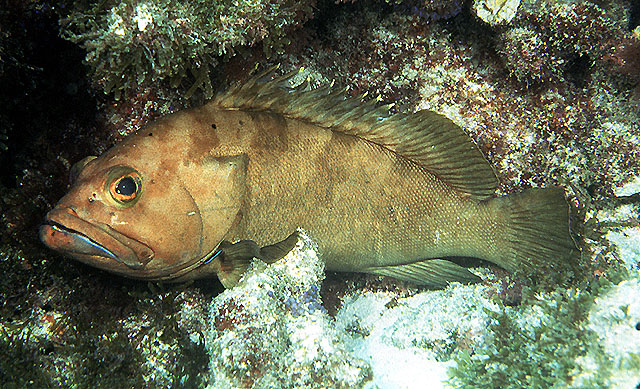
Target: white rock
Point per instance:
(496, 12)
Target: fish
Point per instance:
(203, 191)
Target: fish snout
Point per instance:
(96, 245)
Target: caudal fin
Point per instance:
(537, 229)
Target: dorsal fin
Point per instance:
(426, 138)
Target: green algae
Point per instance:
(541, 343)
(19, 367)
(531, 354)
(138, 42)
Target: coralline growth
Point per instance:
(271, 330)
(147, 41)
(547, 46)
(432, 9)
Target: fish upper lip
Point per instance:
(116, 246)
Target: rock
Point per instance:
(271, 330)
(496, 12)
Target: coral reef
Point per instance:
(538, 344)
(96, 333)
(421, 331)
(549, 94)
(527, 57)
(624, 58)
(272, 331)
(148, 41)
(615, 318)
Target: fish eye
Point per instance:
(124, 185)
(126, 188)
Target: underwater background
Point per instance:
(549, 90)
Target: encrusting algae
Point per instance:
(203, 191)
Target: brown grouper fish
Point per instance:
(203, 191)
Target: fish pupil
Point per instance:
(126, 186)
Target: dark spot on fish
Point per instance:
(638, 326)
(392, 213)
(240, 122)
(202, 142)
(151, 134)
(214, 126)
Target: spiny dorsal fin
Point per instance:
(426, 138)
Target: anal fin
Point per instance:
(434, 273)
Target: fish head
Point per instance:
(132, 214)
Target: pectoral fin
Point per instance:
(435, 273)
(234, 260)
(235, 257)
(275, 252)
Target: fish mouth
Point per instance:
(97, 245)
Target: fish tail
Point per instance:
(537, 230)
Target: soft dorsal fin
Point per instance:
(425, 138)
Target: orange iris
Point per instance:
(125, 188)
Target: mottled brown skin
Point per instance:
(364, 205)
(210, 175)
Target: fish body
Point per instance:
(397, 195)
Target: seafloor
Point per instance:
(548, 89)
